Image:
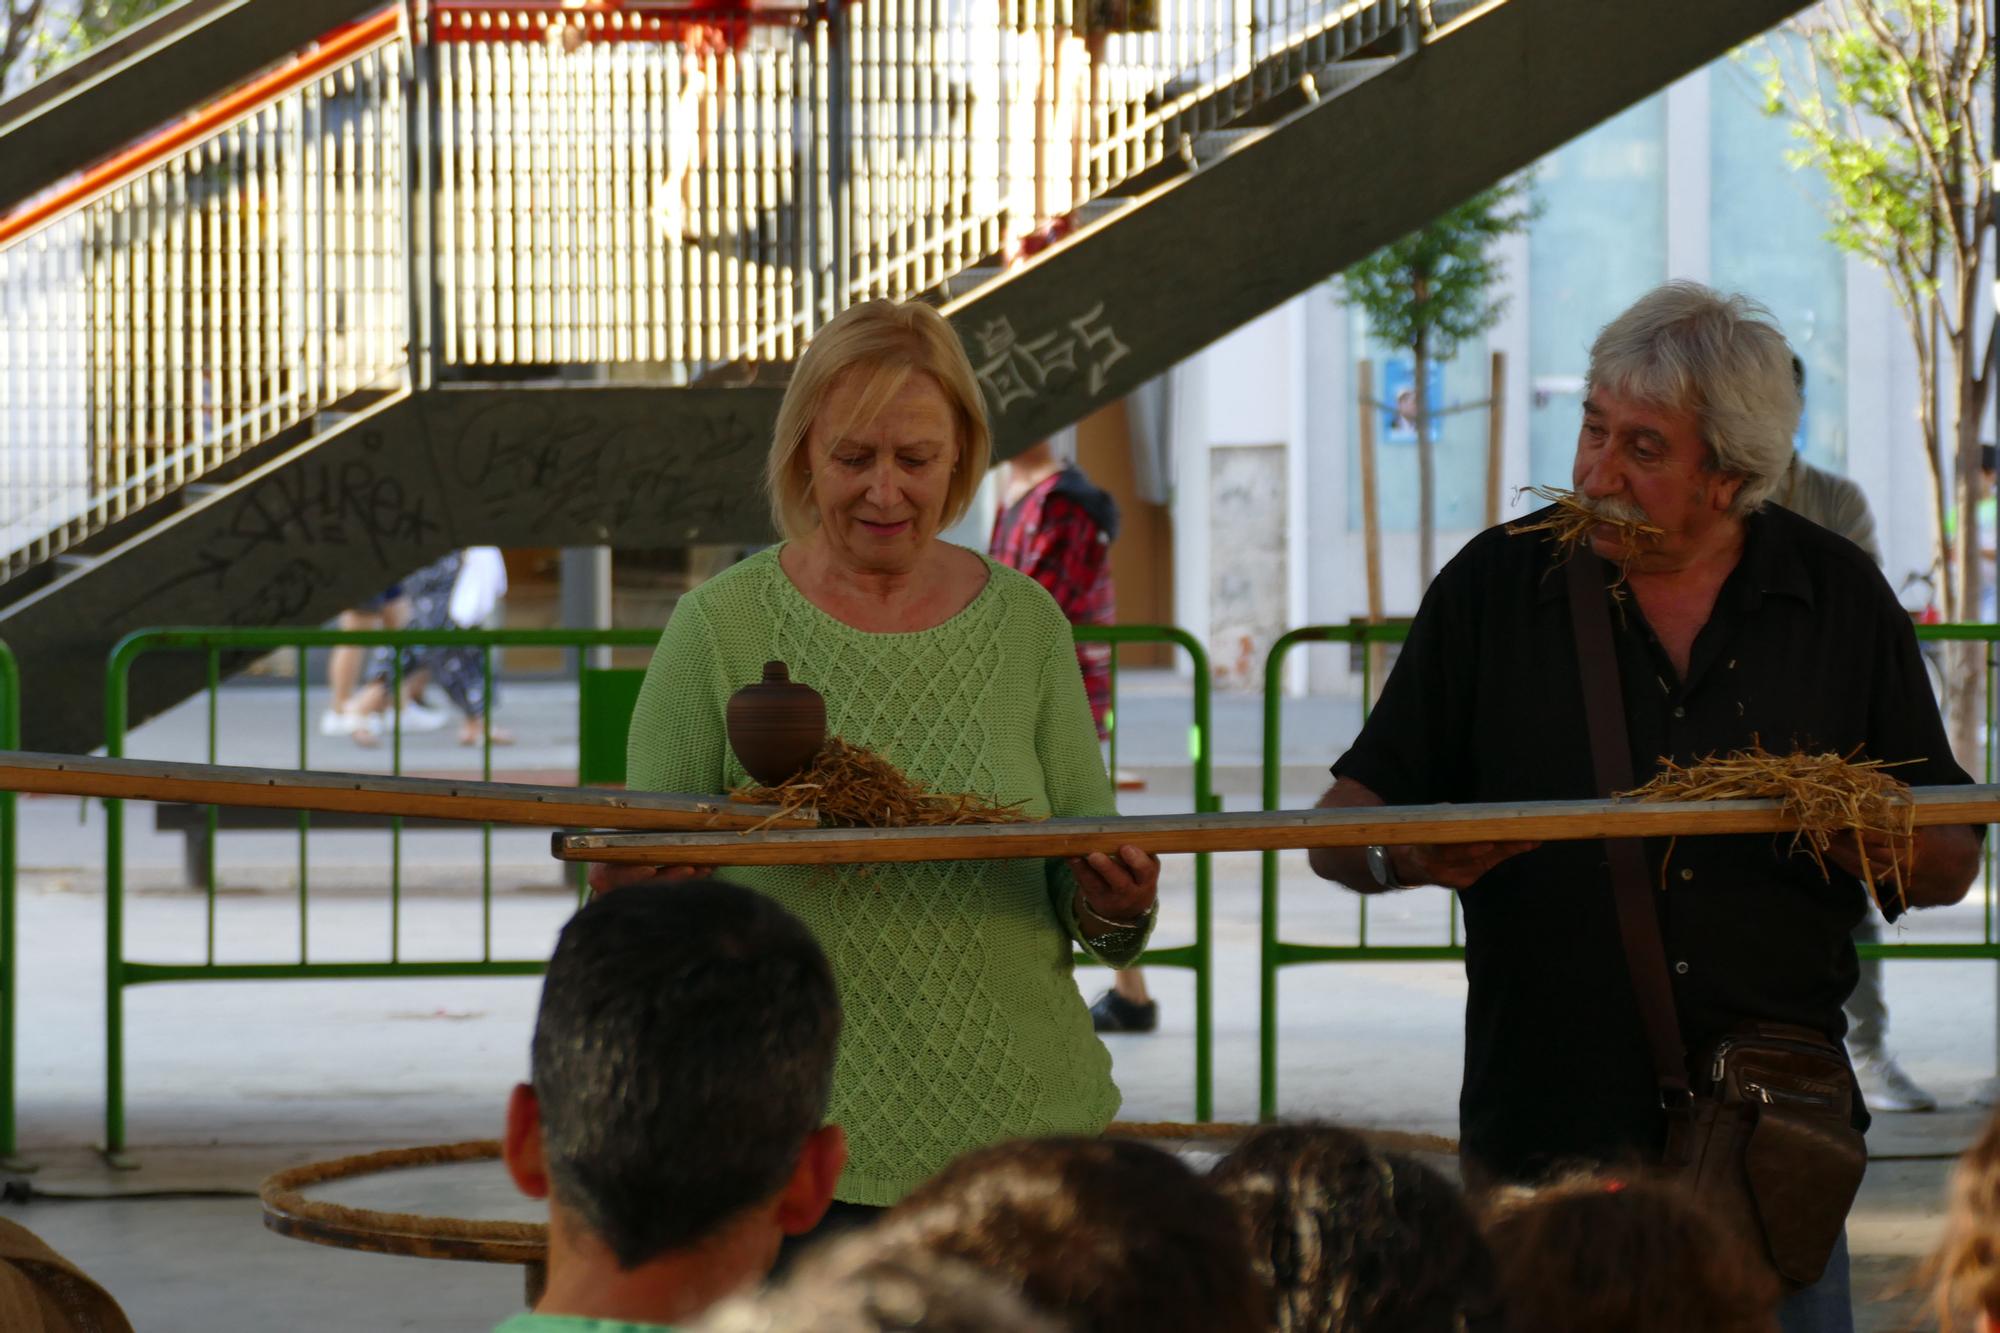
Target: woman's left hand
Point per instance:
(1121, 888)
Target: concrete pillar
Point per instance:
(584, 597)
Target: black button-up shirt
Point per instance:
(1806, 648)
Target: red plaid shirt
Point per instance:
(1055, 541)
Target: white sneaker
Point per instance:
(1887, 1088)
(418, 717)
(333, 722)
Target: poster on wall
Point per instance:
(1399, 401)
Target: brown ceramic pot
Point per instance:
(776, 725)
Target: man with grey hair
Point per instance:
(1735, 623)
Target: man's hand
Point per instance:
(606, 875)
(1452, 865)
(1116, 890)
(1939, 863)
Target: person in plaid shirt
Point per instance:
(1056, 527)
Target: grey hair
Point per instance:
(1720, 356)
(859, 1286)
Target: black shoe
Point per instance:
(1114, 1013)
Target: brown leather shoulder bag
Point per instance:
(1764, 1136)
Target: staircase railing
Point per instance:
(672, 188)
(203, 293)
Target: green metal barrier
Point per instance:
(1276, 953)
(605, 698)
(1200, 955)
(122, 972)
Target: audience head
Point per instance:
(1108, 1235)
(1589, 1255)
(1686, 347)
(1351, 1240)
(682, 1059)
(1966, 1268)
(855, 1286)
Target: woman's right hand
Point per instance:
(608, 875)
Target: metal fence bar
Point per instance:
(1276, 953)
(1200, 955)
(153, 332)
(122, 973)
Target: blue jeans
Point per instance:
(1824, 1307)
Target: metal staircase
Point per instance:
(516, 273)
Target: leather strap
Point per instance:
(1611, 759)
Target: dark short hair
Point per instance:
(1351, 1240)
(1587, 1254)
(1111, 1235)
(682, 1055)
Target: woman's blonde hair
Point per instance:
(885, 342)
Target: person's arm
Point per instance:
(1451, 866)
(677, 740)
(1414, 747)
(1904, 728)
(1942, 860)
(1097, 897)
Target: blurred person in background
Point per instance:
(1838, 505)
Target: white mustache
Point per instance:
(1614, 510)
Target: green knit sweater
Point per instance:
(963, 1022)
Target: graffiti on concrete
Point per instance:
(1014, 367)
(564, 466)
(319, 514)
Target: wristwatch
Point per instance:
(1378, 866)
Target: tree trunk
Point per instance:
(1968, 670)
(1426, 470)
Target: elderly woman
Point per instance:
(964, 1025)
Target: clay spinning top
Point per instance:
(776, 726)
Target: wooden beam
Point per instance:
(375, 794)
(1543, 821)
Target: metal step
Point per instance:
(1213, 144)
(1096, 210)
(963, 281)
(1331, 80)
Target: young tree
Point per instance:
(1429, 292)
(36, 36)
(1885, 99)
(20, 21)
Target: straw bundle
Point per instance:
(1827, 795)
(851, 787)
(1573, 521)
